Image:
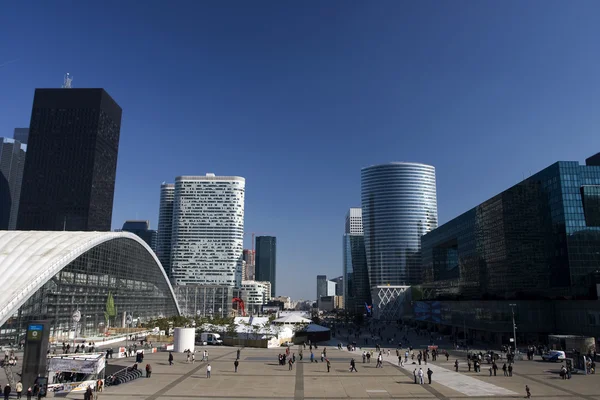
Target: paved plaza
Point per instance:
(260, 376)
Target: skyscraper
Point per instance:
(266, 260)
(354, 224)
(399, 205)
(321, 286)
(69, 177)
(208, 230)
(249, 256)
(142, 229)
(165, 226)
(21, 134)
(12, 161)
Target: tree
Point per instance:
(111, 310)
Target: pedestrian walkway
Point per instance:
(462, 383)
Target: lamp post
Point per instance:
(128, 321)
(512, 307)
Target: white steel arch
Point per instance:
(28, 259)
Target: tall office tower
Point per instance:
(250, 265)
(21, 134)
(69, 177)
(339, 285)
(165, 226)
(266, 260)
(354, 223)
(399, 206)
(321, 286)
(208, 230)
(12, 161)
(142, 229)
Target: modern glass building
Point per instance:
(104, 275)
(357, 291)
(538, 239)
(205, 300)
(399, 205)
(142, 229)
(266, 260)
(12, 162)
(69, 177)
(165, 226)
(208, 230)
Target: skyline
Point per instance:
(258, 93)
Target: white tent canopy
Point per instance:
(292, 319)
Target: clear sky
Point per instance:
(298, 96)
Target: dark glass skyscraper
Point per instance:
(399, 205)
(357, 291)
(142, 229)
(266, 259)
(538, 239)
(165, 225)
(12, 161)
(69, 177)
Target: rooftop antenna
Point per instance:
(67, 81)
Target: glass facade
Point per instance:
(357, 291)
(165, 226)
(538, 239)
(121, 268)
(69, 177)
(204, 300)
(142, 229)
(266, 260)
(399, 205)
(12, 161)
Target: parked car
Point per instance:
(554, 355)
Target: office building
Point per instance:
(21, 134)
(249, 256)
(255, 294)
(165, 226)
(398, 207)
(142, 229)
(357, 290)
(69, 178)
(534, 246)
(208, 230)
(321, 286)
(266, 260)
(12, 161)
(339, 285)
(354, 223)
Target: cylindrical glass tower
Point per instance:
(399, 205)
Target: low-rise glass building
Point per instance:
(103, 275)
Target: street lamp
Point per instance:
(76, 318)
(512, 307)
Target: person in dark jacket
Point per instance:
(148, 370)
(170, 358)
(7, 390)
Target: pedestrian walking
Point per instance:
(235, 365)
(456, 365)
(29, 393)
(312, 357)
(527, 392)
(322, 357)
(19, 389)
(7, 390)
(170, 358)
(238, 354)
(429, 373)
(328, 364)
(194, 357)
(353, 366)
(290, 364)
(420, 374)
(510, 370)
(148, 370)
(208, 369)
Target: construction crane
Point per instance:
(253, 236)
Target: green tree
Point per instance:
(111, 309)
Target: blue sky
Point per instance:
(298, 96)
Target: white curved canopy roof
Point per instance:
(292, 319)
(28, 259)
